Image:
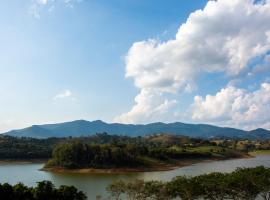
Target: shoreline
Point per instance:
(23, 161)
(122, 170)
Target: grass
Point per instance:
(260, 152)
(216, 151)
(147, 161)
(205, 149)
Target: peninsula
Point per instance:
(113, 154)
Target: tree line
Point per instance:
(242, 184)
(26, 148)
(78, 154)
(44, 190)
(158, 146)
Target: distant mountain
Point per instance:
(85, 128)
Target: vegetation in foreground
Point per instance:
(44, 190)
(242, 184)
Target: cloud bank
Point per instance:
(223, 37)
(235, 106)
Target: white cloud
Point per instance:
(223, 37)
(43, 2)
(38, 5)
(150, 106)
(234, 106)
(63, 95)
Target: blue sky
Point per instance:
(65, 60)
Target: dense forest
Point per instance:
(242, 184)
(26, 148)
(134, 152)
(44, 190)
(30, 148)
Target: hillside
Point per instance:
(85, 128)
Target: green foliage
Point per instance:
(184, 187)
(26, 148)
(213, 185)
(44, 190)
(102, 146)
(138, 190)
(122, 151)
(80, 155)
(242, 184)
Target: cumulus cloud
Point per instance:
(150, 106)
(223, 37)
(235, 106)
(63, 95)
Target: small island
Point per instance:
(112, 154)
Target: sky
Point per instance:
(135, 61)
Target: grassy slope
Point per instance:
(260, 152)
(215, 151)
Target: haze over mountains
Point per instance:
(85, 128)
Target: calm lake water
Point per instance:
(95, 184)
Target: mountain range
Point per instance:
(85, 128)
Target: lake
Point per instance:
(95, 184)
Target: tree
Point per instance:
(185, 188)
(116, 189)
(22, 192)
(70, 192)
(213, 186)
(45, 190)
(6, 191)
